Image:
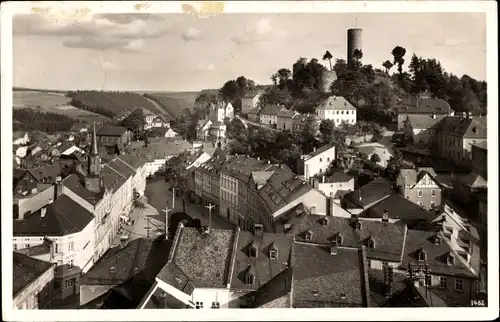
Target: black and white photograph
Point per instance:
(294, 157)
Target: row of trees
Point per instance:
(173, 107)
(27, 119)
(111, 104)
(234, 90)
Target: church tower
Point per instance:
(93, 181)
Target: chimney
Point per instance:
(385, 216)
(43, 211)
(258, 230)
(314, 149)
(433, 116)
(58, 187)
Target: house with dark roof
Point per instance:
(269, 115)
(108, 136)
(421, 129)
(367, 195)
(335, 186)
(135, 263)
(424, 106)
(317, 162)
(32, 283)
(453, 273)
(399, 209)
(250, 100)
(456, 136)
(214, 268)
(34, 177)
(383, 241)
(420, 186)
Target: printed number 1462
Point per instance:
(476, 303)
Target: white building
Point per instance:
(335, 186)
(317, 162)
(220, 111)
(269, 115)
(250, 101)
(337, 109)
(20, 138)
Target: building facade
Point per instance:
(269, 115)
(317, 162)
(337, 109)
(479, 155)
(423, 105)
(420, 187)
(250, 101)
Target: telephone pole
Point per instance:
(173, 197)
(210, 207)
(166, 210)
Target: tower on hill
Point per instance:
(354, 36)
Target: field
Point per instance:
(54, 103)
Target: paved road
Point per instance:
(158, 196)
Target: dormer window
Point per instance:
(273, 252)
(422, 256)
(339, 239)
(437, 240)
(253, 251)
(450, 260)
(370, 243)
(358, 225)
(309, 235)
(250, 278)
(325, 221)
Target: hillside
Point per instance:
(174, 107)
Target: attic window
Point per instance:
(370, 243)
(273, 254)
(309, 235)
(437, 240)
(450, 260)
(422, 256)
(253, 251)
(358, 225)
(250, 279)
(112, 269)
(339, 239)
(325, 221)
(342, 296)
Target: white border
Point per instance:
(69, 9)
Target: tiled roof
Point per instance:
(338, 176)
(324, 280)
(270, 109)
(336, 103)
(132, 159)
(35, 250)
(276, 293)
(111, 131)
(47, 173)
(411, 176)
(63, 217)
(201, 260)
(424, 106)
(388, 237)
(159, 148)
(399, 208)
(254, 111)
(261, 177)
(142, 258)
(112, 179)
(264, 268)
(419, 121)
(418, 240)
(465, 127)
(73, 183)
(286, 113)
(282, 188)
(482, 145)
(321, 150)
(474, 180)
(121, 167)
(26, 270)
(371, 192)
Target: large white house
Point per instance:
(337, 109)
(317, 162)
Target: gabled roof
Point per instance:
(276, 293)
(270, 109)
(36, 250)
(132, 159)
(336, 103)
(418, 240)
(73, 183)
(26, 270)
(371, 192)
(321, 150)
(199, 260)
(264, 268)
(481, 145)
(388, 237)
(338, 176)
(142, 258)
(111, 131)
(474, 180)
(47, 173)
(424, 106)
(63, 217)
(400, 208)
(286, 113)
(411, 176)
(418, 121)
(465, 127)
(324, 280)
(261, 177)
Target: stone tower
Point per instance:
(93, 180)
(353, 42)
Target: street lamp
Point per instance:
(166, 210)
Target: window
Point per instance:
(199, 305)
(433, 193)
(273, 254)
(459, 285)
(433, 204)
(27, 246)
(420, 193)
(309, 236)
(15, 247)
(56, 248)
(70, 264)
(422, 256)
(249, 279)
(371, 243)
(450, 260)
(442, 282)
(253, 252)
(428, 280)
(71, 246)
(420, 203)
(369, 263)
(320, 159)
(215, 305)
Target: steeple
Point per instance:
(93, 146)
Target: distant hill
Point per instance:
(26, 89)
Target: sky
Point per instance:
(182, 52)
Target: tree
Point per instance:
(284, 75)
(375, 158)
(134, 121)
(328, 56)
(326, 128)
(175, 171)
(357, 55)
(387, 65)
(398, 53)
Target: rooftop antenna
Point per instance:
(357, 21)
